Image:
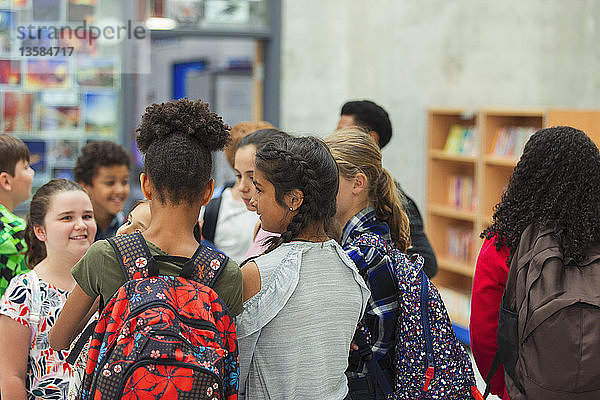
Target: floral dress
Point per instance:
(48, 373)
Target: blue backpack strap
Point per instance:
(424, 303)
(205, 266)
(134, 256)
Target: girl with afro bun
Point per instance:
(556, 185)
(177, 139)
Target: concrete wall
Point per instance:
(408, 55)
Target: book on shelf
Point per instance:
(461, 140)
(460, 244)
(510, 140)
(461, 192)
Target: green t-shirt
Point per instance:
(99, 272)
(12, 247)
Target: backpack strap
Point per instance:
(424, 307)
(205, 266)
(211, 213)
(134, 256)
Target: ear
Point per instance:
(146, 186)
(5, 181)
(210, 188)
(294, 199)
(375, 136)
(360, 183)
(40, 233)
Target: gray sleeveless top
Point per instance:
(294, 335)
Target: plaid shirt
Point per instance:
(12, 247)
(375, 266)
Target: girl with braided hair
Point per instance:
(373, 221)
(304, 296)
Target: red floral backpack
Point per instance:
(163, 336)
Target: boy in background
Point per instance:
(103, 170)
(16, 177)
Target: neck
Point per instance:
(172, 227)
(6, 200)
(314, 232)
(357, 206)
(56, 269)
(103, 220)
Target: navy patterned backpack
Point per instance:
(430, 362)
(163, 337)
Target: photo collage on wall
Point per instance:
(55, 102)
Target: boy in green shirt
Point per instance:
(16, 177)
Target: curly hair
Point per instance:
(36, 250)
(556, 185)
(370, 116)
(356, 152)
(98, 154)
(177, 139)
(306, 164)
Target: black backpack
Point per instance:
(211, 213)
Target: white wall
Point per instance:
(408, 55)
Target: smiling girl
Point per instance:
(304, 297)
(60, 229)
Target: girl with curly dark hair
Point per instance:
(556, 184)
(177, 139)
(304, 296)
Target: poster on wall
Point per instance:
(58, 118)
(7, 27)
(63, 173)
(81, 10)
(44, 73)
(17, 112)
(226, 11)
(10, 73)
(100, 111)
(46, 10)
(20, 4)
(186, 12)
(97, 72)
(37, 155)
(63, 150)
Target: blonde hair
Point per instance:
(354, 152)
(240, 131)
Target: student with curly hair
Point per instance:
(304, 296)
(102, 169)
(373, 223)
(556, 185)
(178, 139)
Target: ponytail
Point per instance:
(356, 152)
(388, 208)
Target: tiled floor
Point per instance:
(480, 380)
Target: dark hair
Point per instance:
(36, 250)
(370, 116)
(260, 138)
(12, 150)
(177, 139)
(555, 184)
(95, 155)
(302, 163)
(139, 203)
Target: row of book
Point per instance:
(460, 244)
(461, 192)
(510, 140)
(461, 140)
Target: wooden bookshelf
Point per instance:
(489, 171)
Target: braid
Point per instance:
(304, 164)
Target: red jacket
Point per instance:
(491, 273)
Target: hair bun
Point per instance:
(182, 117)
